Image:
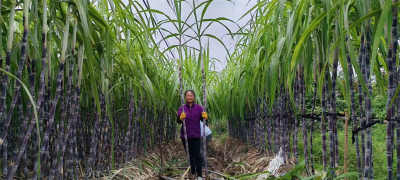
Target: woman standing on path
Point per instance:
(192, 115)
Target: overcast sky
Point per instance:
(218, 8)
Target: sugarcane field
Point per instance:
(199, 89)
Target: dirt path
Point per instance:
(225, 156)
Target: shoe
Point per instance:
(199, 178)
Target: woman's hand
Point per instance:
(204, 115)
(183, 116)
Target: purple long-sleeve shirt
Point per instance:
(192, 120)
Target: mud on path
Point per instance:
(227, 156)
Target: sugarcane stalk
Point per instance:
(353, 110)
(296, 123)
(71, 101)
(7, 66)
(58, 87)
(323, 120)
(101, 140)
(368, 105)
(390, 110)
(16, 93)
(30, 128)
(90, 161)
(394, 45)
(331, 121)
(304, 123)
(181, 94)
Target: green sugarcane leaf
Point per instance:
(379, 31)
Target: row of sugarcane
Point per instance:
(270, 130)
(321, 52)
(50, 126)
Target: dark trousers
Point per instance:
(194, 153)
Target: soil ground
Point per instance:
(226, 156)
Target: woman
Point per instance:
(192, 115)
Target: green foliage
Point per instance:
(378, 145)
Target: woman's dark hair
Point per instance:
(190, 91)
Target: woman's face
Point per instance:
(189, 97)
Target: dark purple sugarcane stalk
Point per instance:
(136, 130)
(45, 142)
(107, 145)
(30, 128)
(360, 101)
(118, 142)
(7, 67)
(75, 147)
(93, 144)
(15, 100)
(16, 93)
(336, 138)
(78, 111)
(368, 105)
(129, 152)
(22, 122)
(279, 125)
(274, 121)
(288, 125)
(57, 96)
(282, 124)
(70, 154)
(145, 130)
(296, 123)
(32, 74)
(54, 102)
(275, 127)
(101, 133)
(59, 140)
(353, 109)
(256, 124)
(260, 122)
(71, 112)
(304, 123)
(323, 119)
(182, 102)
(26, 170)
(251, 131)
(332, 118)
(44, 163)
(5, 159)
(393, 45)
(390, 114)
(72, 105)
(160, 132)
(267, 123)
(264, 124)
(29, 113)
(333, 103)
(74, 134)
(50, 149)
(100, 154)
